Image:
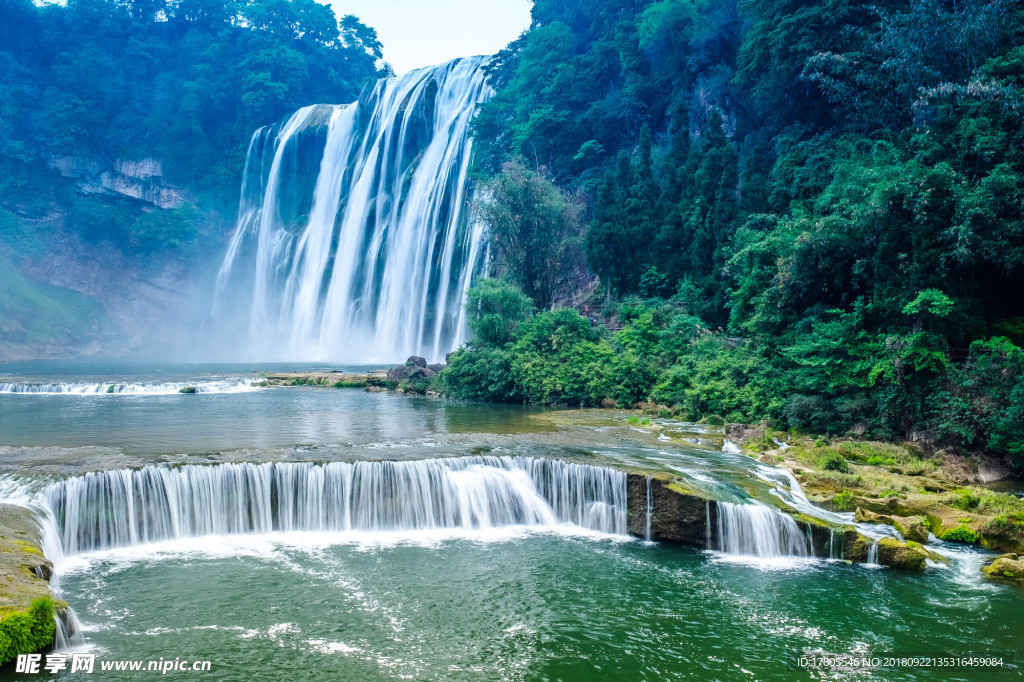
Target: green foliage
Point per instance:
(34, 312)
(965, 500)
(495, 311)
(832, 461)
(844, 502)
(25, 633)
(961, 534)
(535, 228)
(821, 200)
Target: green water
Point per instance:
(536, 607)
(505, 605)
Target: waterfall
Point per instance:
(647, 523)
(760, 531)
(354, 241)
(128, 507)
(872, 559)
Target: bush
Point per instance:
(961, 534)
(965, 500)
(25, 633)
(494, 311)
(843, 502)
(833, 461)
(480, 374)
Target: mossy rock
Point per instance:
(902, 556)
(190, 390)
(1008, 568)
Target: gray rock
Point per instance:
(416, 361)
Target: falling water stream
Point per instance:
(354, 240)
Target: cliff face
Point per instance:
(140, 179)
(101, 257)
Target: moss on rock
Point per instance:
(1008, 567)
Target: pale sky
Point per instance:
(419, 33)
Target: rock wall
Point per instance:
(138, 179)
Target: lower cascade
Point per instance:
(127, 507)
(760, 531)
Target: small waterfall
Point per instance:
(760, 531)
(128, 507)
(835, 549)
(69, 630)
(650, 508)
(873, 553)
(354, 241)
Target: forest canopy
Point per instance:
(802, 212)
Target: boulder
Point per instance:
(436, 367)
(902, 556)
(416, 361)
(678, 515)
(397, 375)
(913, 528)
(741, 433)
(1008, 567)
(448, 358)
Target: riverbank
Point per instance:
(28, 606)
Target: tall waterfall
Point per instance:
(128, 507)
(354, 241)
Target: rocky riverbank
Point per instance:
(678, 514)
(27, 604)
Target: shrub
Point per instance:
(844, 502)
(833, 461)
(961, 534)
(24, 633)
(965, 500)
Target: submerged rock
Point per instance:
(1008, 567)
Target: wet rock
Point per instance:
(416, 361)
(678, 515)
(24, 570)
(375, 389)
(436, 367)
(1008, 568)
(912, 528)
(741, 433)
(448, 358)
(902, 556)
(191, 390)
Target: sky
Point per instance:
(419, 33)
